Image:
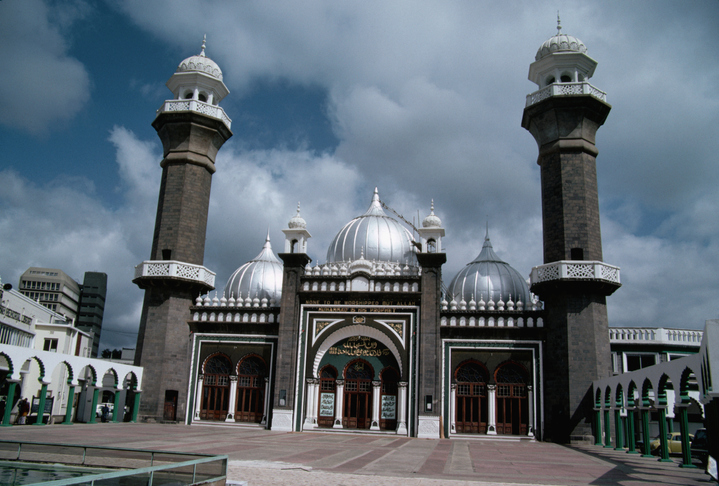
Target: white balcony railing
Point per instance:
(565, 89)
(196, 106)
(575, 270)
(175, 269)
(657, 335)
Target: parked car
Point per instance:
(700, 446)
(674, 442)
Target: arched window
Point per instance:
(472, 408)
(327, 398)
(512, 404)
(202, 97)
(431, 246)
(216, 388)
(358, 395)
(565, 78)
(251, 374)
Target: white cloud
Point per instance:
(42, 85)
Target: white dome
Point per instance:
(560, 43)
(432, 221)
(487, 278)
(374, 236)
(259, 278)
(200, 64)
(297, 221)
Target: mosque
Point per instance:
(373, 341)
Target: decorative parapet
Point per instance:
(521, 320)
(575, 270)
(657, 335)
(565, 89)
(198, 107)
(360, 284)
(177, 270)
(372, 268)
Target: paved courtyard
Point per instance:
(264, 457)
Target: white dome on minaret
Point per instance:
(198, 78)
(561, 59)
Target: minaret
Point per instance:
(431, 258)
(192, 128)
(563, 116)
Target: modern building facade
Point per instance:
(93, 294)
(372, 340)
(53, 288)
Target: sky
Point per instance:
(422, 99)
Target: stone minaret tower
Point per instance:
(563, 116)
(192, 128)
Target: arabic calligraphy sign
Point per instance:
(360, 346)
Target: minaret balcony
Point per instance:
(576, 272)
(208, 109)
(150, 270)
(565, 89)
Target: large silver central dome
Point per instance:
(374, 236)
(488, 277)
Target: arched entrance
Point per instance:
(512, 403)
(472, 410)
(327, 399)
(251, 374)
(357, 401)
(216, 387)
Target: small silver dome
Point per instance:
(375, 236)
(297, 221)
(488, 277)
(432, 221)
(560, 43)
(259, 278)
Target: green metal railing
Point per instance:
(134, 466)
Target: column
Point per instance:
(402, 408)
(453, 408)
(663, 435)
(607, 430)
(598, 427)
(311, 403)
(118, 411)
(375, 405)
(267, 402)
(233, 399)
(340, 398)
(684, 427)
(631, 432)
(41, 405)
(530, 404)
(198, 397)
(136, 406)
(95, 393)
(618, 430)
(646, 437)
(12, 385)
(68, 406)
(492, 415)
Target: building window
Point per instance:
(50, 345)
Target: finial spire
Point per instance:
(431, 208)
(204, 43)
(559, 24)
(267, 239)
(298, 208)
(486, 235)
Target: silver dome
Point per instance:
(487, 276)
(374, 236)
(259, 278)
(560, 43)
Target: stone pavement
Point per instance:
(264, 457)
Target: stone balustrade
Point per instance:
(175, 269)
(197, 106)
(657, 335)
(575, 270)
(565, 89)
